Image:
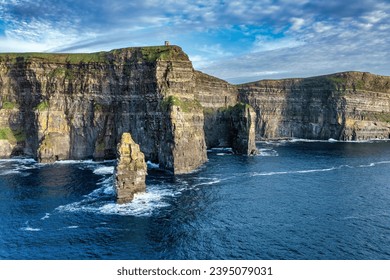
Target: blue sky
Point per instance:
(239, 41)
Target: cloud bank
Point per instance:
(239, 41)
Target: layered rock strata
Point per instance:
(343, 106)
(76, 106)
(130, 171)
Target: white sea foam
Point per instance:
(299, 171)
(372, 164)
(268, 153)
(106, 189)
(212, 181)
(102, 200)
(10, 172)
(47, 216)
(152, 165)
(143, 204)
(30, 229)
(330, 140)
(19, 160)
(72, 227)
(104, 170)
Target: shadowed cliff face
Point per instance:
(344, 106)
(76, 106)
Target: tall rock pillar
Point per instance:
(131, 170)
(242, 129)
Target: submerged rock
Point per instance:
(131, 170)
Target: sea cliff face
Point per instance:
(343, 106)
(76, 106)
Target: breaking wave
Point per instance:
(104, 170)
(268, 153)
(372, 164)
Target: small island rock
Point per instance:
(131, 170)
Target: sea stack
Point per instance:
(131, 170)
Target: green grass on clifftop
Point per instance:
(163, 53)
(63, 58)
(148, 53)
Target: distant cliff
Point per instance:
(343, 106)
(76, 106)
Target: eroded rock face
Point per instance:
(183, 146)
(76, 106)
(343, 106)
(131, 170)
(242, 129)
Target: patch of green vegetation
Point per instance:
(376, 116)
(155, 53)
(70, 74)
(185, 105)
(359, 84)
(383, 117)
(97, 107)
(63, 58)
(150, 54)
(12, 135)
(58, 72)
(44, 105)
(239, 107)
(337, 80)
(100, 146)
(209, 111)
(8, 105)
(163, 53)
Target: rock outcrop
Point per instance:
(343, 106)
(130, 171)
(183, 146)
(242, 129)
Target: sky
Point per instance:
(239, 41)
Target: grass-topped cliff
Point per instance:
(351, 80)
(150, 54)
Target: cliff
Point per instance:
(343, 106)
(76, 106)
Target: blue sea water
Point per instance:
(296, 200)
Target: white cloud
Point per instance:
(231, 39)
(268, 43)
(321, 27)
(297, 23)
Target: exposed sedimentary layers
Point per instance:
(76, 106)
(343, 106)
(130, 171)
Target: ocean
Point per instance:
(296, 200)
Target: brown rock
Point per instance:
(131, 170)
